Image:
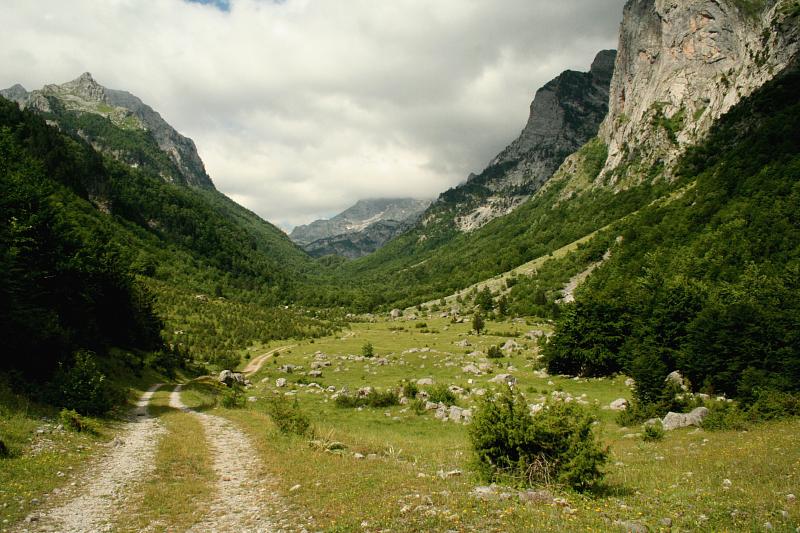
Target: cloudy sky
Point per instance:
(301, 107)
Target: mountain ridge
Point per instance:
(126, 111)
(360, 229)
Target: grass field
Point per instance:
(398, 469)
(397, 484)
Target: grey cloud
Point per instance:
(302, 107)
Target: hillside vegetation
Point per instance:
(706, 284)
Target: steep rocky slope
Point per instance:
(564, 115)
(67, 104)
(682, 65)
(360, 229)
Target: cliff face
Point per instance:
(680, 66)
(125, 111)
(565, 114)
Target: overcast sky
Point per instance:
(301, 107)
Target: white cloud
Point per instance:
(299, 108)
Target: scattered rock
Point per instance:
(666, 522)
(631, 526)
(630, 383)
(510, 345)
(294, 488)
(471, 369)
(358, 455)
(452, 473)
(231, 378)
(280, 382)
(791, 498)
(425, 381)
(504, 378)
(620, 404)
(535, 496)
(315, 373)
(681, 420)
(677, 378)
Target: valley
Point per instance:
(596, 332)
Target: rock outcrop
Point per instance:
(360, 229)
(564, 115)
(124, 110)
(680, 66)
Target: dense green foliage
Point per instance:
(706, 283)
(555, 445)
(64, 286)
(97, 254)
(373, 398)
(289, 417)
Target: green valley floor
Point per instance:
(183, 462)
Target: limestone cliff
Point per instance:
(565, 114)
(125, 111)
(680, 66)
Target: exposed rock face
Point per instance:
(360, 229)
(126, 111)
(564, 115)
(680, 66)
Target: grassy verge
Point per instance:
(173, 498)
(43, 456)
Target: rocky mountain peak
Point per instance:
(361, 228)
(603, 65)
(126, 111)
(86, 87)
(15, 93)
(680, 66)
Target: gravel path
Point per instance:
(256, 364)
(90, 506)
(243, 501)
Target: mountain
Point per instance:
(593, 188)
(360, 229)
(77, 105)
(682, 65)
(99, 220)
(565, 113)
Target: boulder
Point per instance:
(676, 378)
(396, 313)
(425, 381)
(363, 392)
(510, 345)
(316, 365)
(471, 369)
(430, 406)
(620, 404)
(463, 343)
(232, 378)
(681, 420)
(504, 378)
(315, 373)
(280, 382)
(630, 382)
